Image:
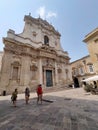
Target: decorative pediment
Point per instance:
(34, 33)
(73, 68)
(66, 70)
(80, 65)
(33, 68)
(48, 63)
(16, 63)
(59, 70)
(46, 47)
(89, 63)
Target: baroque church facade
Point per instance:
(34, 57)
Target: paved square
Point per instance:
(70, 110)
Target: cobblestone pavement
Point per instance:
(68, 110)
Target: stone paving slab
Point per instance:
(70, 110)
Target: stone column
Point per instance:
(40, 72)
(56, 74)
(5, 71)
(25, 71)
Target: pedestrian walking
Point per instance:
(27, 95)
(39, 93)
(14, 97)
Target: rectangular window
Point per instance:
(91, 68)
(81, 70)
(76, 71)
(96, 56)
(33, 74)
(15, 73)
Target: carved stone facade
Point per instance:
(34, 57)
(1, 55)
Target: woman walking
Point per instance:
(14, 97)
(27, 95)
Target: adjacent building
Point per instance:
(87, 66)
(82, 68)
(91, 41)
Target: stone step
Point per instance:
(54, 89)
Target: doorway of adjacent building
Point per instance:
(49, 81)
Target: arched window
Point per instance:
(90, 67)
(46, 40)
(15, 72)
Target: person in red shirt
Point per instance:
(39, 93)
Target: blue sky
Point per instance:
(72, 18)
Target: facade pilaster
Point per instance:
(56, 74)
(40, 72)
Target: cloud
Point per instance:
(43, 14)
(51, 14)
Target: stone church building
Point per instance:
(34, 57)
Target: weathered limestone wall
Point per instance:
(34, 57)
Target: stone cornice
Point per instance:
(6, 40)
(47, 55)
(23, 40)
(48, 49)
(91, 35)
(17, 48)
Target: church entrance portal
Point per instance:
(49, 81)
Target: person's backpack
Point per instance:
(14, 95)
